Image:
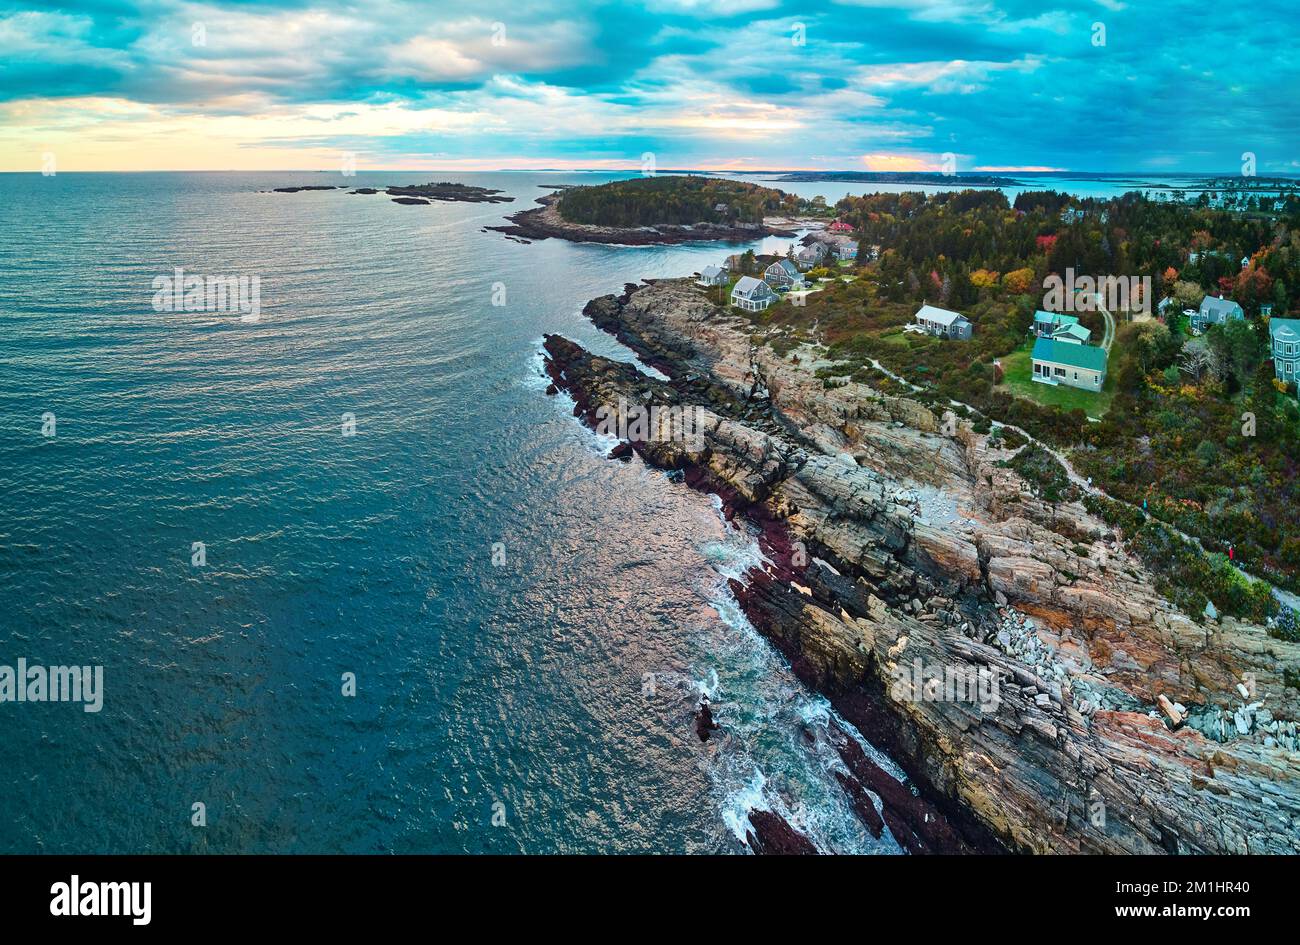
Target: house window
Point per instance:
(1060, 372)
(1076, 375)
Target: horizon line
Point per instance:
(667, 171)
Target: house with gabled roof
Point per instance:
(712, 275)
(1061, 327)
(1072, 364)
(753, 295)
(810, 255)
(943, 323)
(1284, 337)
(1216, 311)
(1074, 334)
(839, 226)
(783, 272)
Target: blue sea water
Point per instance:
(513, 692)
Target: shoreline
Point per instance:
(1087, 659)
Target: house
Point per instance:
(1074, 365)
(1072, 215)
(810, 255)
(839, 226)
(1266, 310)
(846, 251)
(1074, 334)
(1245, 262)
(1049, 324)
(940, 321)
(782, 273)
(1285, 335)
(1216, 311)
(753, 295)
(712, 275)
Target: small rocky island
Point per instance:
(655, 210)
(408, 195)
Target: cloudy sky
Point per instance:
(753, 84)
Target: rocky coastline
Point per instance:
(544, 222)
(902, 551)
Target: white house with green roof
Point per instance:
(1285, 336)
(1069, 363)
(1061, 327)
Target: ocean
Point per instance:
(232, 516)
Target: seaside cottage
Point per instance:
(712, 275)
(782, 273)
(941, 322)
(1074, 365)
(846, 251)
(753, 295)
(809, 256)
(1074, 334)
(839, 226)
(1284, 334)
(1216, 311)
(1047, 324)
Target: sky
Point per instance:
(979, 85)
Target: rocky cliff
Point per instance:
(1007, 651)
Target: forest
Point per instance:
(680, 200)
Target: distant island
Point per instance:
(661, 209)
(898, 177)
(445, 191)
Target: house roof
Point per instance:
(748, 286)
(1284, 329)
(1063, 352)
(1073, 330)
(1216, 307)
(710, 272)
(940, 315)
(1055, 317)
(788, 266)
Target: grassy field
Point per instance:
(1019, 381)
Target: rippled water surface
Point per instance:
(521, 684)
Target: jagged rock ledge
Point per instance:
(894, 547)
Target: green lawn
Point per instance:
(897, 337)
(1019, 381)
